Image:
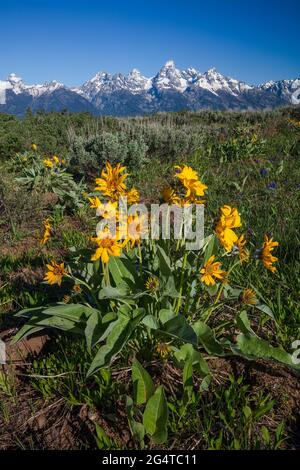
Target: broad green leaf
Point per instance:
(186, 352)
(252, 346)
(207, 339)
(211, 248)
(123, 271)
(137, 429)
(109, 292)
(25, 331)
(165, 314)
(265, 309)
(25, 312)
(179, 328)
(93, 329)
(120, 332)
(155, 417)
(142, 383)
(164, 263)
(243, 323)
(187, 378)
(73, 312)
(151, 322)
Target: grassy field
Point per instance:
(110, 361)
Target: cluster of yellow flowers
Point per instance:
(190, 185)
(129, 229)
(230, 219)
(53, 162)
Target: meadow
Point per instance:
(142, 344)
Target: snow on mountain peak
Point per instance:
(170, 78)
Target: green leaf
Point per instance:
(142, 383)
(109, 292)
(243, 323)
(26, 330)
(155, 417)
(73, 312)
(207, 339)
(179, 328)
(137, 429)
(265, 309)
(93, 329)
(252, 346)
(151, 322)
(165, 314)
(119, 335)
(27, 311)
(123, 271)
(211, 247)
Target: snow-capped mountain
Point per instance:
(170, 89)
(287, 89)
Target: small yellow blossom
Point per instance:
(243, 252)
(55, 273)
(267, 258)
(248, 297)
(34, 147)
(169, 195)
(77, 288)
(212, 270)
(48, 163)
(106, 247)
(112, 181)
(47, 231)
(152, 283)
(163, 349)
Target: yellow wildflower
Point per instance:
(133, 229)
(106, 246)
(112, 183)
(210, 270)
(169, 195)
(94, 202)
(163, 349)
(248, 297)
(48, 163)
(47, 231)
(108, 210)
(186, 174)
(77, 288)
(55, 273)
(34, 147)
(243, 252)
(267, 258)
(55, 159)
(229, 219)
(133, 196)
(152, 283)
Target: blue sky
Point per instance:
(70, 41)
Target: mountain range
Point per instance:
(170, 89)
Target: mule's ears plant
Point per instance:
(155, 299)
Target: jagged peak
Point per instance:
(170, 64)
(14, 78)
